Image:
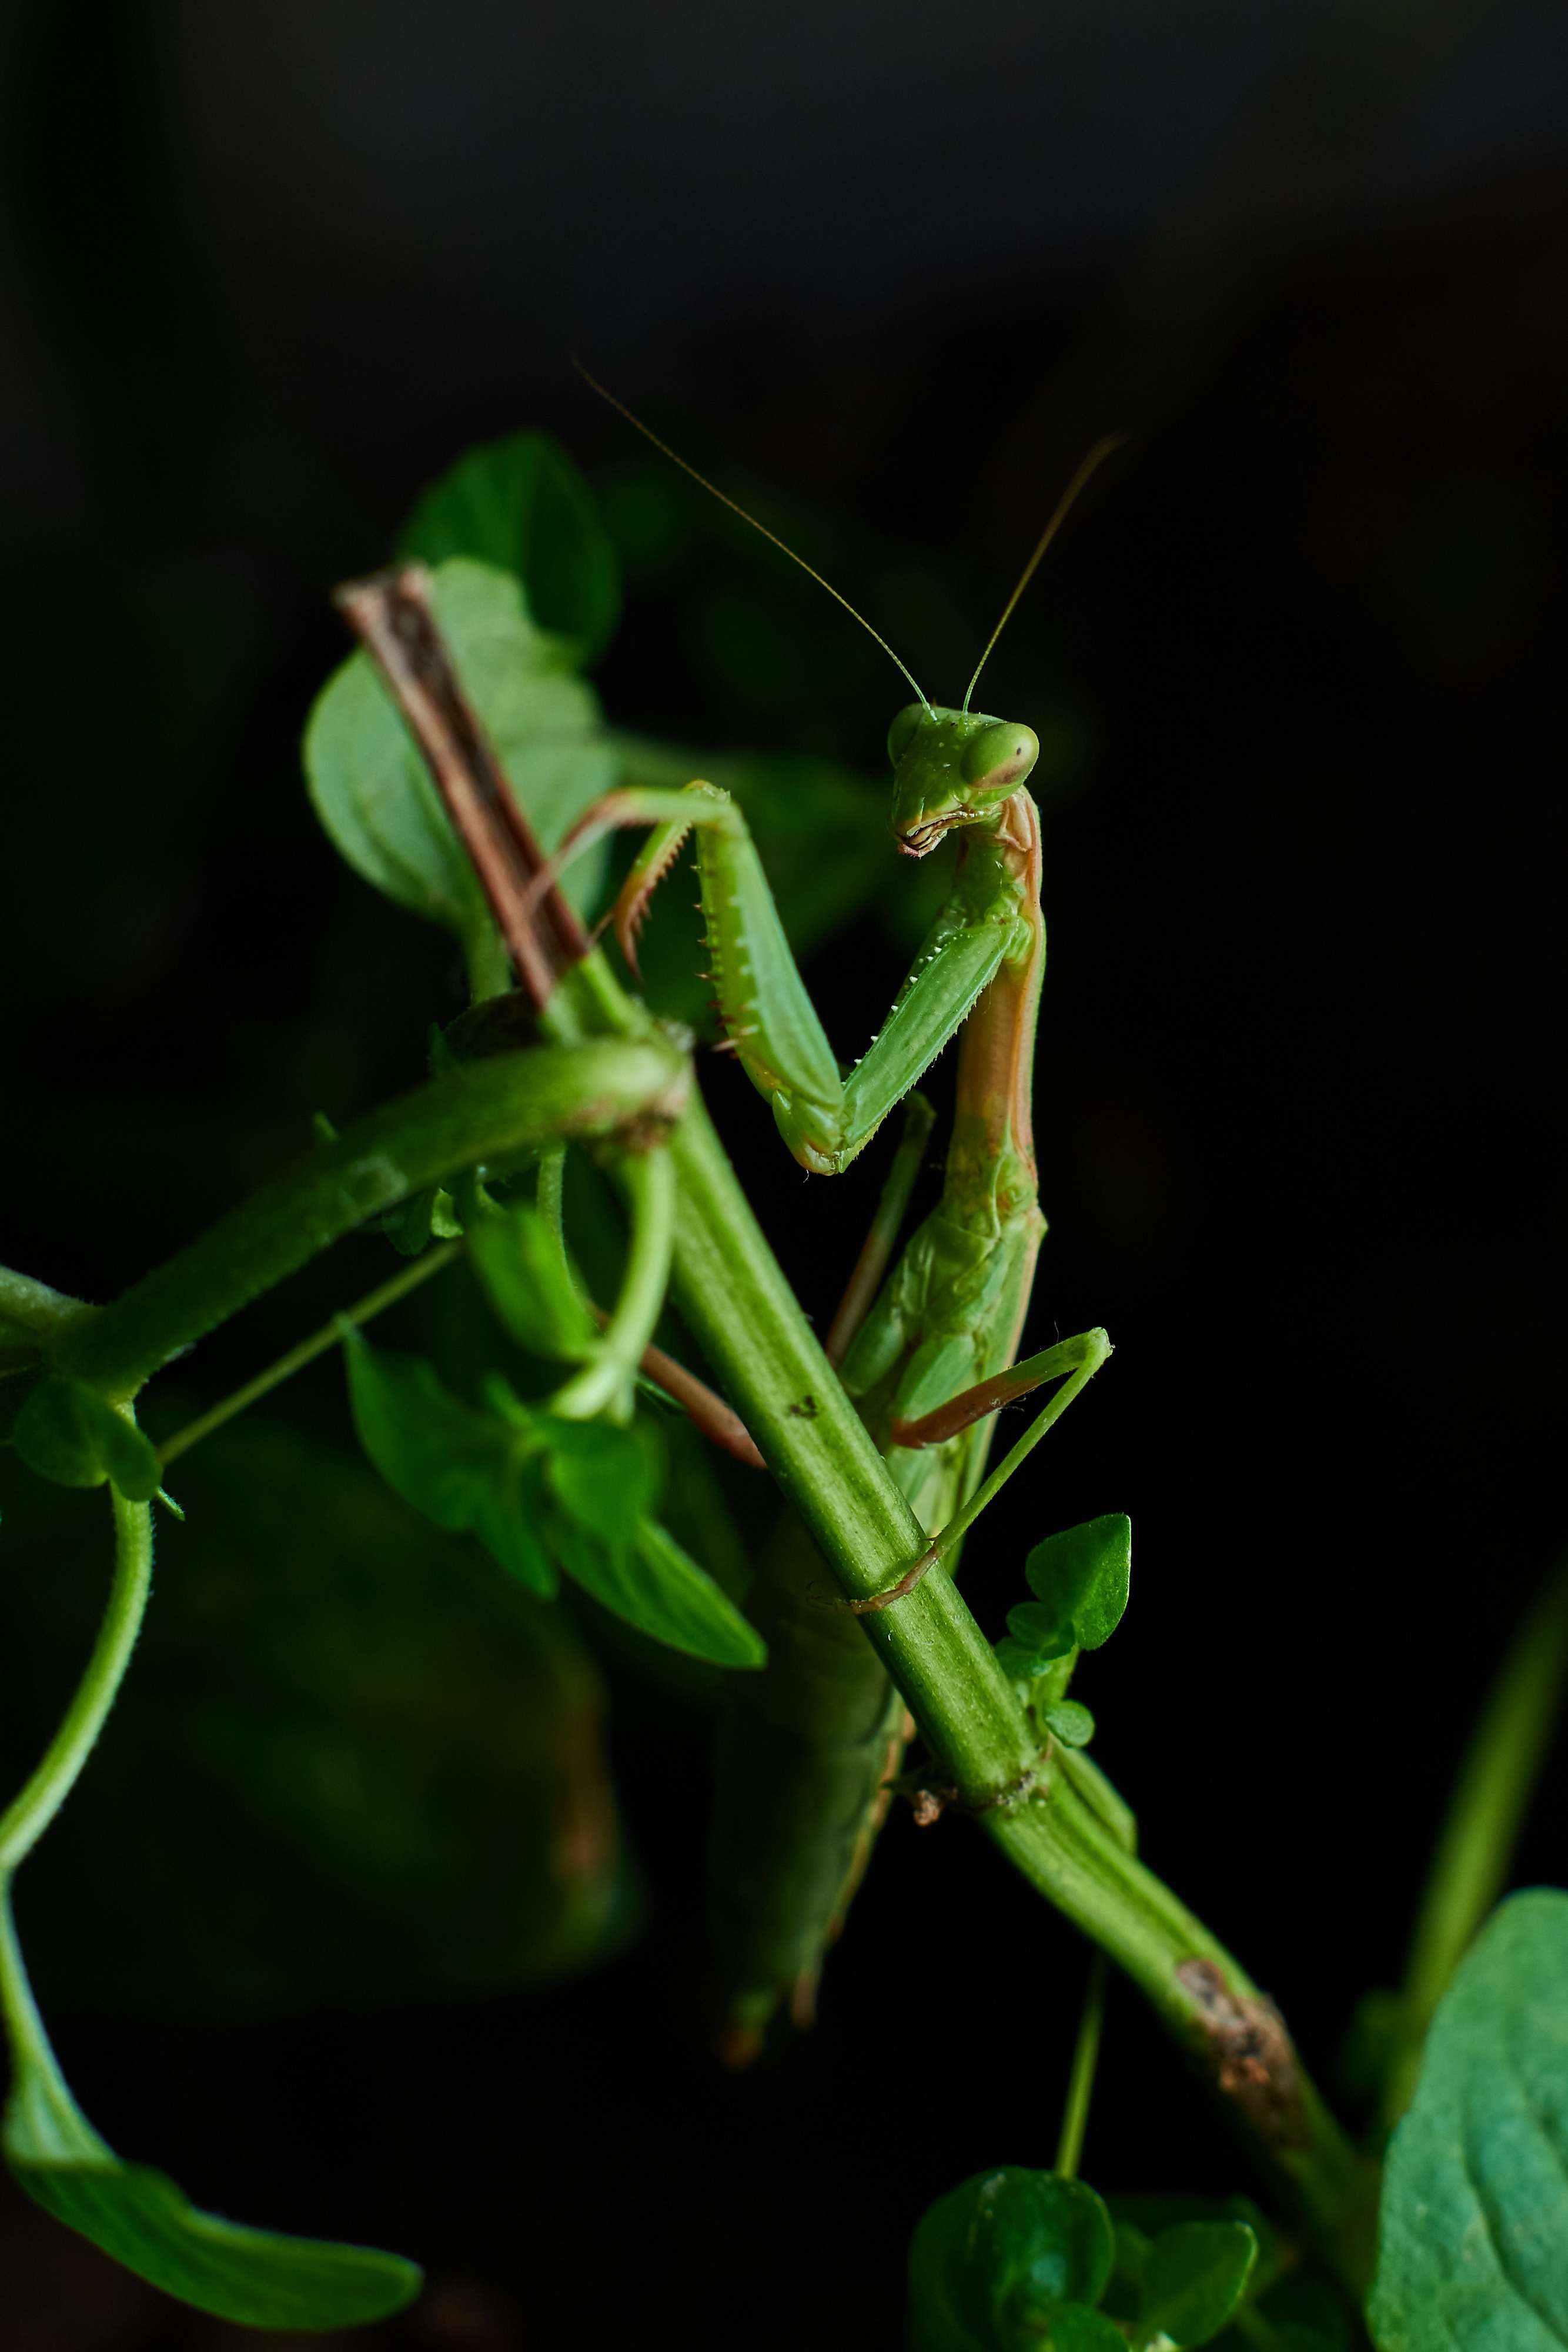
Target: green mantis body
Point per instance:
(808, 1752)
(810, 1745)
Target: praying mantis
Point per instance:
(810, 1745)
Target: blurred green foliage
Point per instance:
(347, 1761)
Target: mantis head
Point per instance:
(952, 768)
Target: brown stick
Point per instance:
(390, 613)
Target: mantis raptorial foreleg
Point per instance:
(824, 1116)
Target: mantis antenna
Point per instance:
(676, 459)
(1101, 451)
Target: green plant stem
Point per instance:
(27, 1818)
(733, 1296)
(363, 1311)
(488, 1110)
(1486, 1812)
(1080, 2081)
(550, 1196)
(32, 1308)
(648, 1181)
(1065, 1850)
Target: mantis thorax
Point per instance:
(953, 768)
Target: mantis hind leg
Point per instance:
(1074, 1362)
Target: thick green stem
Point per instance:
(732, 1292)
(1203, 1994)
(489, 1110)
(27, 1818)
(30, 1310)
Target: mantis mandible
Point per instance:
(812, 1743)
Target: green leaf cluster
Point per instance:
(523, 1271)
(1019, 2261)
(1079, 1582)
(545, 1496)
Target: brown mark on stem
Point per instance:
(1251, 2053)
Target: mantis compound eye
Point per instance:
(1000, 757)
(904, 731)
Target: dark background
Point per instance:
(1300, 1103)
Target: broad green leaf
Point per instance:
(527, 1281)
(607, 1479)
(370, 786)
(1080, 1578)
(1193, 2278)
(353, 1757)
(70, 1433)
(1002, 2262)
(661, 1589)
(522, 505)
(461, 1468)
(145, 2221)
(540, 1495)
(1473, 2228)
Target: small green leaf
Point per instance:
(1004, 2261)
(370, 786)
(527, 1280)
(522, 505)
(144, 2220)
(660, 1589)
(1193, 2278)
(1081, 1578)
(423, 1218)
(68, 1432)
(1072, 1724)
(1474, 2218)
(1036, 1631)
(463, 1469)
